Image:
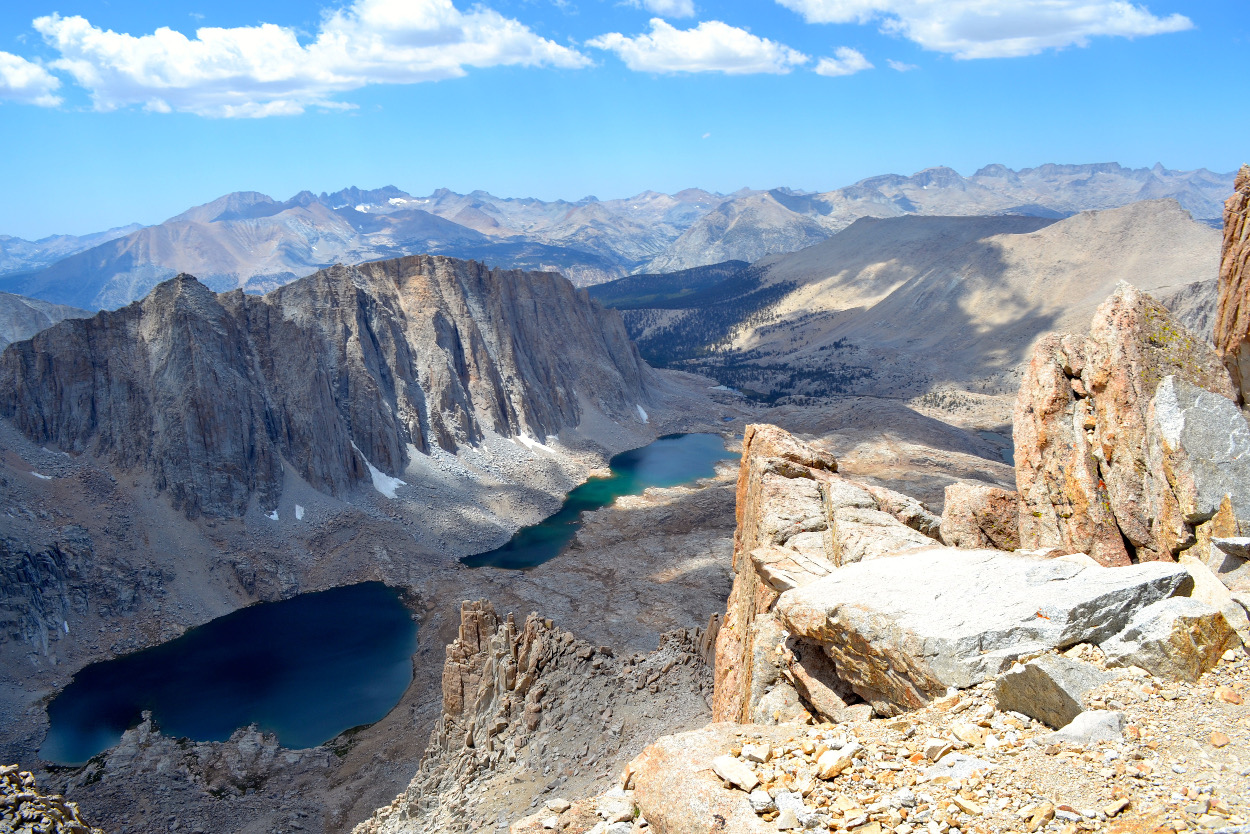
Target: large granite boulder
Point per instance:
(1198, 452)
(1174, 638)
(902, 630)
(1049, 688)
(1081, 430)
(1232, 317)
(781, 497)
(1063, 500)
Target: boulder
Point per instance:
(1178, 638)
(1199, 443)
(1232, 317)
(734, 772)
(901, 631)
(977, 515)
(860, 534)
(915, 514)
(677, 790)
(1081, 431)
(778, 445)
(816, 681)
(1091, 727)
(1063, 502)
(1049, 688)
(1229, 559)
(1209, 589)
(783, 489)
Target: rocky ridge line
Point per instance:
(530, 711)
(341, 375)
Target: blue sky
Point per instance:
(113, 112)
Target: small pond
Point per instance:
(672, 460)
(307, 668)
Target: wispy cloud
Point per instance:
(264, 70)
(995, 28)
(847, 62)
(25, 81)
(712, 46)
(666, 8)
(899, 66)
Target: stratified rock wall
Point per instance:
(343, 370)
(1080, 428)
(1232, 318)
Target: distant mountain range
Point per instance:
(250, 241)
(17, 255)
(896, 307)
(21, 318)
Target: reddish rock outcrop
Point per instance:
(1232, 318)
(1080, 421)
(980, 515)
(777, 494)
(798, 521)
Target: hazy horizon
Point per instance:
(120, 113)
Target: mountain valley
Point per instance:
(870, 351)
(908, 306)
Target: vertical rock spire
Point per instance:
(1232, 318)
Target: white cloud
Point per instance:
(264, 70)
(711, 46)
(707, 136)
(22, 80)
(848, 62)
(995, 28)
(900, 66)
(666, 8)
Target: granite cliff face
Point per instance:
(343, 376)
(1232, 318)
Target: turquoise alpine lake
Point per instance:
(672, 460)
(306, 668)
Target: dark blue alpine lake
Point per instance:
(670, 461)
(306, 668)
(310, 667)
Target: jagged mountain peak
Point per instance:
(347, 372)
(235, 205)
(354, 196)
